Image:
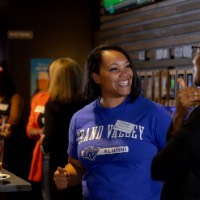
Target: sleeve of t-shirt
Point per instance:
(72, 145)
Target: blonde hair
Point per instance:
(65, 80)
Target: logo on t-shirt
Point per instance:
(91, 152)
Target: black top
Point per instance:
(178, 164)
(57, 119)
(55, 142)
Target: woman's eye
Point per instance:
(128, 66)
(113, 69)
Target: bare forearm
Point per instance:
(75, 174)
(75, 170)
(71, 175)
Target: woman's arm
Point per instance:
(187, 98)
(32, 128)
(75, 171)
(16, 110)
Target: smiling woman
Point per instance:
(119, 131)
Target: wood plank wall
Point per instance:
(170, 27)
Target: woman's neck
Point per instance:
(111, 102)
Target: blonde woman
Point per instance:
(65, 99)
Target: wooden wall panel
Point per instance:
(165, 25)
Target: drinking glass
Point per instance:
(2, 136)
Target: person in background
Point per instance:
(11, 110)
(65, 99)
(113, 139)
(34, 131)
(178, 163)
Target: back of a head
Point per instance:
(65, 80)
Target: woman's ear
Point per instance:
(95, 78)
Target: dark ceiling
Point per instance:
(7, 6)
(3, 6)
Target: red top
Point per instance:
(37, 106)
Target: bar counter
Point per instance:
(13, 183)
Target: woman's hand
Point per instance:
(5, 130)
(187, 97)
(61, 178)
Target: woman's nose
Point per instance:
(124, 72)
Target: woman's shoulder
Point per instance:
(86, 107)
(41, 94)
(82, 105)
(41, 97)
(151, 105)
(17, 97)
(69, 107)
